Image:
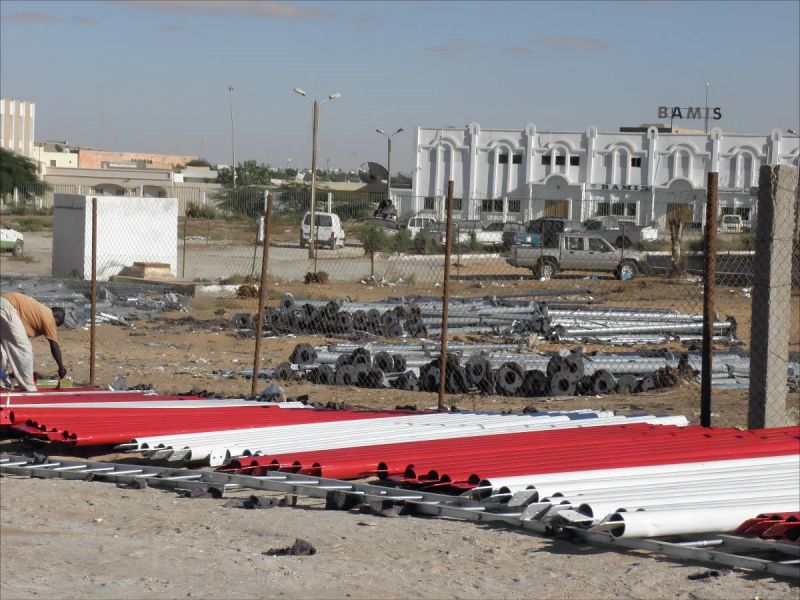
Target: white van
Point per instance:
(328, 230)
(417, 224)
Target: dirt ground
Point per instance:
(72, 539)
(175, 356)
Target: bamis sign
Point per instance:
(690, 112)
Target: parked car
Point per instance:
(579, 252)
(417, 224)
(328, 232)
(510, 231)
(486, 235)
(547, 229)
(621, 231)
(11, 240)
(732, 224)
(434, 232)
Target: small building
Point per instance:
(645, 174)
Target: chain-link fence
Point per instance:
(552, 303)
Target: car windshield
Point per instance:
(436, 227)
(495, 227)
(320, 220)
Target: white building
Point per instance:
(17, 120)
(55, 154)
(514, 175)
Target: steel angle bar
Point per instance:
(418, 501)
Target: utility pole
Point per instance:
(312, 234)
(233, 146)
(389, 159)
(706, 107)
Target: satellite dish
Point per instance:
(372, 172)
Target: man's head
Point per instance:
(58, 315)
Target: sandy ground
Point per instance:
(72, 539)
(81, 540)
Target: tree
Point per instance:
(198, 162)
(373, 239)
(676, 220)
(248, 173)
(19, 172)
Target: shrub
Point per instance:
(196, 211)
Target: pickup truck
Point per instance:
(620, 231)
(579, 252)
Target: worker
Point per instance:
(22, 317)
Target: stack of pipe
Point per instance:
(772, 526)
(102, 418)
(218, 447)
(724, 474)
(556, 319)
(502, 370)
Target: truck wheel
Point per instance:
(302, 243)
(623, 240)
(627, 270)
(545, 270)
(19, 248)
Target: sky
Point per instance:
(153, 76)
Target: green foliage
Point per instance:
(25, 224)
(19, 172)
(27, 210)
(199, 162)
(243, 201)
(195, 211)
(402, 242)
(373, 238)
(249, 173)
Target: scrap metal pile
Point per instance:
(506, 370)
(118, 303)
(556, 316)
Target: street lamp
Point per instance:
(314, 126)
(792, 131)
(233, 147)
(389, 160)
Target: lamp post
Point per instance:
(389, 160)
(233, 146)
(314, 126)
(706, 128)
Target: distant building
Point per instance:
(89, 158)
(17, 120)
(55, 154)
(514, 175)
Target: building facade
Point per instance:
(17, 121)
(515, 175)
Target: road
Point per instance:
(217, 261)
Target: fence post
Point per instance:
(445, 294)
(262, 293)
(183, 254)
(93, 328)
(330, 201)
(772, 269)
(709, 289)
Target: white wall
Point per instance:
(129, 229)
